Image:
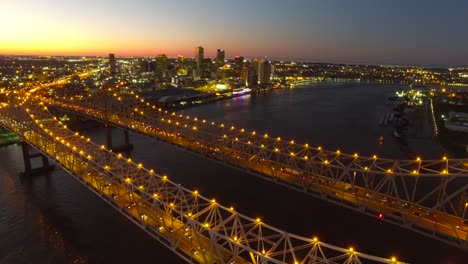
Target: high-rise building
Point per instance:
(249, 76)
(113, 66)
(220, 56)
(161, 65)
(264, 72)
(181, 67)
(199, 59)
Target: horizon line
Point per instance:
(250, 58)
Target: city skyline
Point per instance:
(425, 33)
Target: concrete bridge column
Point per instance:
(125, 147)
(27, 157)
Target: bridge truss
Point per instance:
(196, 228)
(426, 196)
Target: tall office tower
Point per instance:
(249, 76)
(161, 65)
(113, 66)
(220, 56)
(199, 59)
(264, 72)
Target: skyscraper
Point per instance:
(199, 58)
(113, 66)
(264, 71)
(161, 65)
(220, 56)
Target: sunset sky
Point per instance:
(416, 32)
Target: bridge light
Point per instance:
(315, 239)
(306, 158)
(393, 259)
(292, 154)
(207, 225)
(258, 220)
(213, 201)
(242, 130)
(278, 138)
(253, 133)
(351, 249)
(306, 145)
(276, 149)
(140, 165)
(374, 157)
(415, 172)
(262, 145)
(381, 216)
(444, 172)
(325, 161)
(248, 142)
(222, 125)
(389, 171)
(195, 192)
(231, 208)
(234, 238)
(338, 152)
(103, 147)
(292, 142)
(141, 187)
(266, 136)
(171, 204)
(418, 159)
(129, 160)
(119, 155)
(128, 179)
(151, 171)
(319, 148)
(444, 158)
(164, 178)
(356, 155)
(232, 128)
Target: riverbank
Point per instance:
(454, 141)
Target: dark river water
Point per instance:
(54, 219)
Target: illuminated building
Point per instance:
(238, 62)
(113, 66)
(264, 72)
(220, 56)
(181, 67)
(249, 76)
(200, 63)
(161, 65)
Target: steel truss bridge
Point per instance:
(426, 196)
(196, 228)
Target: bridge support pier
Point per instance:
(125, 147)
(27, 157)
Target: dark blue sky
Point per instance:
(416, 32)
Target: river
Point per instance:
(54, 219)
